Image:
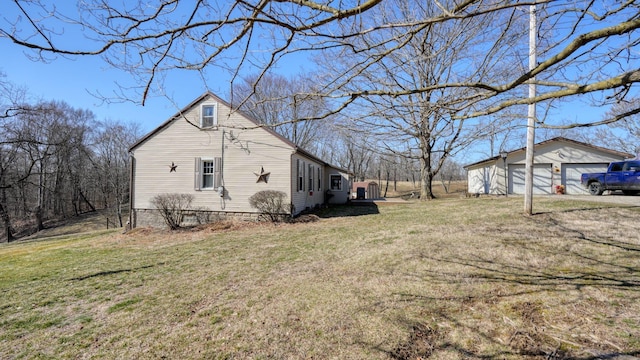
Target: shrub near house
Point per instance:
(271, 204)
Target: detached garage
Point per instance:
(559, 161)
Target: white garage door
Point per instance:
(541, 179)
(571, 176)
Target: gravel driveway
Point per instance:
(616, 198)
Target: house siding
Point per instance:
(337, 196)
(306, 198)
(245, 150)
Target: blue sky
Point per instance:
(77, 80)
(73, 81)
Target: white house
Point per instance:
(222, 157)
(558, 161)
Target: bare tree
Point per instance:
(53, 135)
(623, 134)
(358, 153)
(281, 103)
(422, 121)
(590, 51)
(11, 103)
(110, 161)
(54, 165)
(13, 99)
(10, 177)
(450, 171)
(57, 161)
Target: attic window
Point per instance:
(209, 116)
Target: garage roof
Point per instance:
(556, 139)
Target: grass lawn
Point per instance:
(445, 279)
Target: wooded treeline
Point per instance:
(56, 162)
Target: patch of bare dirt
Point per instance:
(420, 344)
(223, 225)
(139, 231)
(307, 218)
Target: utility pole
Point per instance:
(531, 115)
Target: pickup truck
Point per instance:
(621, 175)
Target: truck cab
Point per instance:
(622, 175)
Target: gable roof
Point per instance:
(179, 115)
(549, 141)
(358, 184)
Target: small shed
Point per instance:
(363, 190)
(558, 161)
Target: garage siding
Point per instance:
(479, 180)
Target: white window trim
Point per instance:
(215, 116)
(199, 173)
(213, 174)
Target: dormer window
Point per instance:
(209, 116)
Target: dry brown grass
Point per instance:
(455, 279)
(405, 188)
(90, 221)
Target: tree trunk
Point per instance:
(119, 213)
(6, 221)
(426, 176)
(386, 188)
(84, 198)
(41, 199)
(39, 223)
(395, 179)
(426, 173)
(76, 202)
(426, 191)
(446, 183)
(23, 200)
